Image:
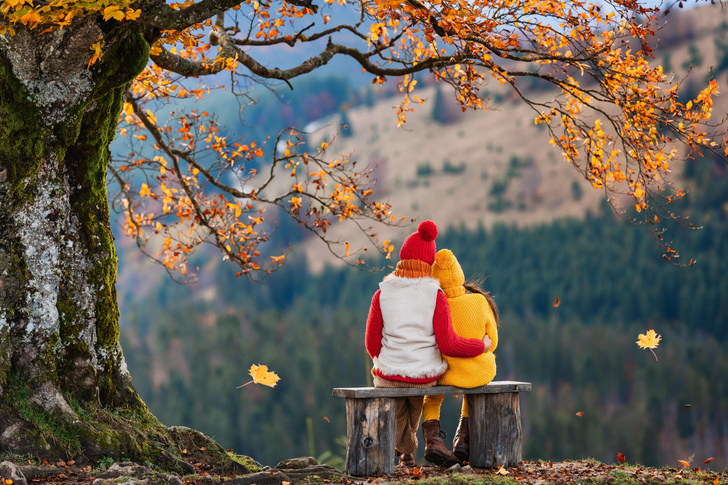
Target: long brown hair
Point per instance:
(474, 287)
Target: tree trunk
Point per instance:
(61, 365)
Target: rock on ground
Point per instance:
(9, 471)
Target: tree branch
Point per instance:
(162, 16)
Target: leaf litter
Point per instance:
(527, 472)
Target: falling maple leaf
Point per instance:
(327, 419)
(261, 375)
(705, 462)
(556, 303)
(649, 340)
(686, 462)
(580, 413)
(620, 457)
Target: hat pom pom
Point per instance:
(444, 259)
(427, 230)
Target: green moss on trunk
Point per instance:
(20, 155)
(85, 161)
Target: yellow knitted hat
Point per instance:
(448, 271)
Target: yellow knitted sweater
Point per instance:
(472, 317)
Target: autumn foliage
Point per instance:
(615, 115)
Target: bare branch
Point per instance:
(162, 16)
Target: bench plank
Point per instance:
(494, 387)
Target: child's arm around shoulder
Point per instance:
(448, 341)
(375, 324)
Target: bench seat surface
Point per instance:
(374, 392)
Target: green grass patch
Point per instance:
(246, 461)
(51, 429)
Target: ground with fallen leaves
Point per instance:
(527, 472)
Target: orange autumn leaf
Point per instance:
(133, 14)
(705, 462)
(31, 19)
(580, 413)
(96, 48)
(114, 12)
(261, 375)
(620, 457)
(686, 462)
(556, 303)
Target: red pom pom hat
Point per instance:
(421, 244)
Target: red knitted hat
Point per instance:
(421, 244)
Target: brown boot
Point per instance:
(460, 443)
(407, 459)
(435, 450)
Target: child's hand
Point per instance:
(487, 342)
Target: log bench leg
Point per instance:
(495, 430)
(371, 433)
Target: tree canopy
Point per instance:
(617, 117)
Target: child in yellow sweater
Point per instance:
(474, 315)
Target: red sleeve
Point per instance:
(448, 341)
(373, 339)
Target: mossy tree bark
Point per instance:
(60, 358)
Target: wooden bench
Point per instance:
(494, 417)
